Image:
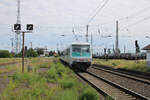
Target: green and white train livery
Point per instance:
(78, 53)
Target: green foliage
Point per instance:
(67, 83)
(5, 54)
(26, 77)
(58, 83)
(27, 86)
(127, 64)
(52, 75)
(40, 51)
(67, 95)
(114, 64)
(31, 53)
(108, 98)
(88, 94)
(18, 55)
(28, 53)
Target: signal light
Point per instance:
(30, 27)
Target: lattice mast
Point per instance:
(18, 34)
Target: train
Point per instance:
(78, 54)
(127, 56)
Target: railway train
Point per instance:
(127, 56)
(78, 54)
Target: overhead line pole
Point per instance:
(92, 43)
(87, 29)
(117, 49)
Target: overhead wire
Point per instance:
(135, 23)
(135, 14)
(127, 17)
(98, 7)
(97, 12)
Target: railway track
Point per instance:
(137, 87)
(109, 89)
(142, 75)
(116, 86)
(126, 74)
(89, 79)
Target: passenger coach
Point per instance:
(78, 54)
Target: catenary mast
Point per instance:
(18, 34)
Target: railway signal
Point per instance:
(17, 27)
(29, 27)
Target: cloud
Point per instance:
(53, 18)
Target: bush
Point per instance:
(5, 54)
(27, 86)
(114, 64)
(67, 83)
(67, 95)
(31, 53)
(37, 86)
(52, 75)
(88, 94)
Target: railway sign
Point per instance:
(30, 27)
(17, 27)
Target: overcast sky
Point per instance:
(53, 18)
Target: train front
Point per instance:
(81, 55)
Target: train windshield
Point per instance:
(81, 51)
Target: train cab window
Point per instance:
(85, 49)
(76, 49)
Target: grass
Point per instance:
(35, 62)
(8, 68)
(58, 83)
(9, 60)
(127, 64)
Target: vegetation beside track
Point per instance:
(57, 83)
(140, 65)
(9, 60)
(38, 62)
(8, 68)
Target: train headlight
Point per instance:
(89, 60)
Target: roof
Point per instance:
(147, 47)
(80, 43)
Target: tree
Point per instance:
(31, 53)
(28, 53)
(5, 54)
(40, 51)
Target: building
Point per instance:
(43, 52)
(147, 48)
